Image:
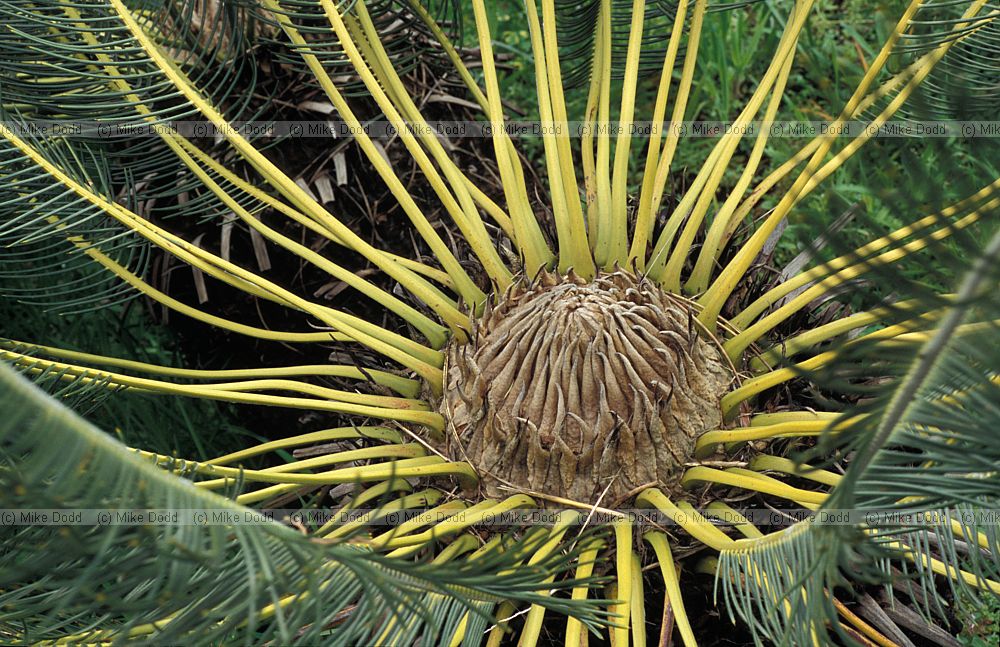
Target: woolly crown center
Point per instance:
(584, 390)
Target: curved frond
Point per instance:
(966, 83)
(247, 579)
(42, 222)
(919, 490)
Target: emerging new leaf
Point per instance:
(571, 387)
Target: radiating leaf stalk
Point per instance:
(484, 510)
(314, 437)
(536, 614)
(483, 200)
(583, 260)
(269, 171)
(646, 219)
(330, 399)
(725, 283)
(456, 58)
(305, 465)
(740, 522)
(587, 160)
(980, 200)
(708, 256)
(466, 287)
(412, 467)
(340, 528)
(602, 243)
(637, 251)
(637, 612)
(668, 258)
(793, 346)
(694, 524)
(358, 329)
(225, 324)
(320, 227)
(807, 151)
(571, 253)
(433, 331)
(709, 441)
(409, 537)
(671, 581)
(761, 189)
(587, 560)
(768, 463)
(745, 479)
(496, 633)
(689, 512)
(464, 211)
(740, 342)
(900, 333)
(527, 234)
(623, 570)
(618, 235)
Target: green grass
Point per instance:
(980, 623)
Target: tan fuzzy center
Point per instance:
(571, 388)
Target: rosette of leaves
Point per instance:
(590, 353)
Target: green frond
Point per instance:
(966, 83)
(40, 220)
(922, 483)
(72, 65)
(239, 582)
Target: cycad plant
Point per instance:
(587, 355)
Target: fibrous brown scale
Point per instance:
(569, 387)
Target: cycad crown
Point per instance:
(604, 364)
